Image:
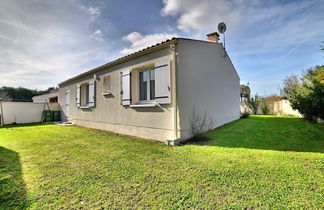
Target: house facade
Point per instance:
(51, 97)
(152, 93)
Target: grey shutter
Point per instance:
(162, 82)
(125, 77)
(78, 99)
(92, 93)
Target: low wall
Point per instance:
(276, 107)
(279, 107)
(24, 112)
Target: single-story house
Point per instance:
(153, 93)
(51, 97)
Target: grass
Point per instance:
(259, 162)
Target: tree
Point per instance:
(21, 93)
(245, 92)
(3, 95)
(254, 102)
(291, 84)
(308, 96)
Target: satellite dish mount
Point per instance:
(221, 30)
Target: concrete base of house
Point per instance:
(157, 134)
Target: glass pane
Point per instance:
(87, 94)
(152, 84)
(143, 85)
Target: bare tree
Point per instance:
(200, 122)
(245, 92)
(290, 85)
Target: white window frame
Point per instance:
(107, 86)
(84, 96)
(148, 98)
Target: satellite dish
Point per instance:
(221, 27)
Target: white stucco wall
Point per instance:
(207, 81)
(45, 97)
(152, 123)
(278, 107)
(24, 112)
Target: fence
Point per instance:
(23, 112)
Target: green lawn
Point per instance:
(259, 162)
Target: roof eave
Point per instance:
(123, 59)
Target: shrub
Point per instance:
(245, 115)
(200, 122)
(254, 102)
(265, 109)
(308, 95)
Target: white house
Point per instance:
(152, 93)
(51, 97)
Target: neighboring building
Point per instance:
(278, 106)
(48, 97)
(152, 93)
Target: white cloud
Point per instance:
(94, 12)
(139, 41)
(203, 14)
(42, 46)
(97, 35)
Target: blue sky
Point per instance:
(45, 42)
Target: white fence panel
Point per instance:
(24, 112)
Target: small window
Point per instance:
(146, 85)
(85, 94)
(107, 84)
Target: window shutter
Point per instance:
(92, 93)
(78, 99)
(162, 82)
(125, 87)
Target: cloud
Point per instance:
(98, 35)
(139, 41)
(272, 38)
(94, 12)
(203, 14)
(41, 44)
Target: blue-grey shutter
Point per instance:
(78, 94)
(162, 82)
(92, 93)
(125, 92)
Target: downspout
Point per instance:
(2, 118)
(175, 98)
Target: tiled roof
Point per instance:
(130, 56)
(119, 60)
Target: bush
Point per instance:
(265, 109)
(200, 122)
(308, 96)
(254, 102)
(245, 115)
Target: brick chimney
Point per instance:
(213, 37)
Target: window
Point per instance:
(85, 94)
(147, 85)
(107, 84)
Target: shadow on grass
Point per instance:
(13, 193)
(269, 133)
(26, 125)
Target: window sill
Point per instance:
(143, 105)
(107, 93)
(85, 107)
